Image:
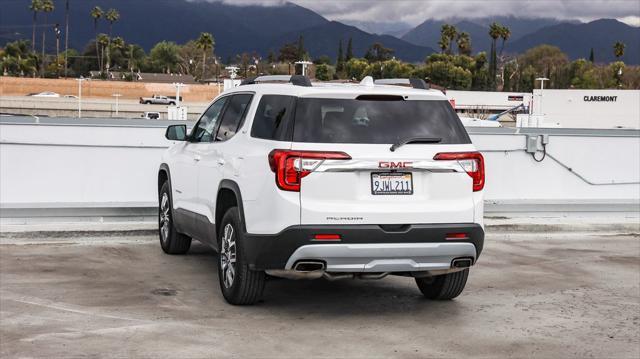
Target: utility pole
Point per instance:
(56, 29)
(66, 39)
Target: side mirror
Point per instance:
(176, 133)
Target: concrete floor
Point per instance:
(545, 296)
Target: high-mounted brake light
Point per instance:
(291, 166)
(472, 162)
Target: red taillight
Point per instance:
(454, 236)
(283, 163)
(472, 162)
(326, 237)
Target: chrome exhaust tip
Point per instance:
(309, 266)
(462, 263)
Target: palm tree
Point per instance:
(495, 31)
(47, 7)
(205, 43)
(102, 41)
(96, 14)
(447, 36)
(618, 49)
(35, 7)
(112, 16)
(505, 33)
(464, 43)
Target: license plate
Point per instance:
(391, 183)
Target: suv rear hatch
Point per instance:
(346, 171)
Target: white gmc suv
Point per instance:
(298, 180)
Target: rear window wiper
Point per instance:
(396, 145)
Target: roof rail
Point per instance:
(416, 83)
(297, 80)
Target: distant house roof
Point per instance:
(149, 77)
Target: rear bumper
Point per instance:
(366, 248)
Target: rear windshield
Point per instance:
(375, 121)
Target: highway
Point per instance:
(91, 107)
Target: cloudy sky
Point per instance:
(414, 12)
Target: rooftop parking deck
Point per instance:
(562, 294)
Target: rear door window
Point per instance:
(273, 118)
(233, 116)
(386, 120)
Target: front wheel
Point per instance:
(239, 284)
(171, 241)
(445, 286)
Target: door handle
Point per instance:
(197, 158)
(220, 161)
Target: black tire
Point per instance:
(171, 241)
(147, 102)
(445, 286)
(172, 103)
(246, 285)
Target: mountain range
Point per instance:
(255, 28)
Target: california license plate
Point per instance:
(391, 183)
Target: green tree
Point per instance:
(35, 7)
(349, 54)
(464, 44)
(103, 42)
(377, 52)
(448, 34)
(46, 8)
(96, 14)
(324, 59)
(340, 63)
(164, 56)
(618, 49)
(301, 53)
(205, 43)
(112, 16)
(16, 59)
(324, 72)
(356, 68)
(591, 56)
(505, 33)
(288, 53)
(495, 31)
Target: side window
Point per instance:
(273, 117)
(204, 129)
(233, 116)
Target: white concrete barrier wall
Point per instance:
(61, 163)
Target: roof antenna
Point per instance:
(367, 81)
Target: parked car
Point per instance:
(158, 100)
(299, 181)
(44, 94)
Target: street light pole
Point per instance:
(80, 80)
(116, 95)
(66, 39)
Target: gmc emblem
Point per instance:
(384, 164)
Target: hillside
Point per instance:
(236, 29)
(324, 39)
(428, 32)
(576, 40)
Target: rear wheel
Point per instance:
(239, 284)
(445, 286)
(171, 241)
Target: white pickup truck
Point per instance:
(158, 100)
